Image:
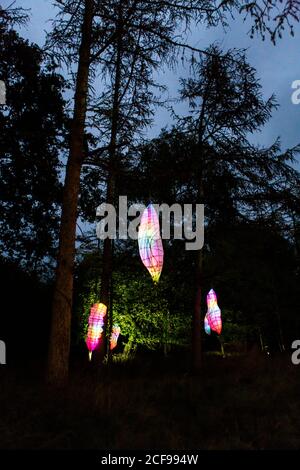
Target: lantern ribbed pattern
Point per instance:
(213, 315)
(150, 243)
(95, 328)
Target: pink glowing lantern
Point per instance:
(150, 243)
(213, 312)
(95, 328)
(116, 330)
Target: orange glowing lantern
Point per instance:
(213, 315)
(95, 328)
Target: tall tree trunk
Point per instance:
(296, 238)
(197, 317)
(106, 277)
(197, 314)
(58, 359)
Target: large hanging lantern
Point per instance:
(116, 330)
(150, 243)
(213, 312)
(95, 328)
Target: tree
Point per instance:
(208, 158)
(126, 104)
(226, 105)
(152, 319)
(32, 137)
(58, 362)
(270, 18)
(96, 36)
(80, 32)
(12, 16)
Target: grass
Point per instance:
(245, 402)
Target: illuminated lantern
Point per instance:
(95, 328)
(150, 243)
(206, 326)
(211, 299)
(213, 312)
(116, 330)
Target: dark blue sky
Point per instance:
(277, 67)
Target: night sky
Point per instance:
(277, 67)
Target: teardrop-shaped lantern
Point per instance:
(116, 330)
(213, 315)
(150, 243)
(95, 328)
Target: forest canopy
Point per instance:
(61, 157)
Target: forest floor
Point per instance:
(245, 402)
